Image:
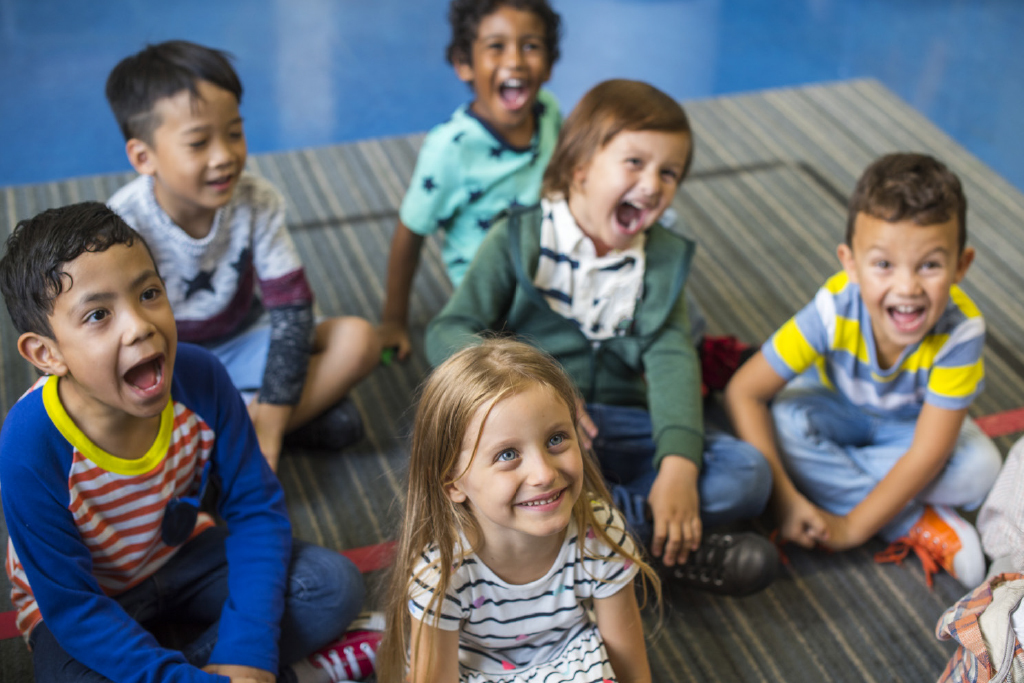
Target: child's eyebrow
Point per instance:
(504, 34)
(99, 297)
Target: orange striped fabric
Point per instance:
(119, 515)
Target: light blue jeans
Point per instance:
(836, 454)
(324, 594)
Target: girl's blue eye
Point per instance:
(556, 440)
(506, 456)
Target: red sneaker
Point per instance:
(941, 538)
(353, 657)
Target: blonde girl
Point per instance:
(508, 530)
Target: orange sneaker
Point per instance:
(941, 538)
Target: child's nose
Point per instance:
(543, 471)
(221, 153)
(138, 327)
(907, 282)
(513, 56)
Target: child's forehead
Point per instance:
(187, 104)
(873, 231)
(117, 263)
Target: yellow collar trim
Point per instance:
(111, 463)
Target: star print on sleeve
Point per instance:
(202, 280)
(484, 223)
(475, 195)
(496, 151)
(445, 223)
(514, 204)
(458, 136)
(428, 184)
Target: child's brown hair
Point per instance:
(907, 186)
(603, 112)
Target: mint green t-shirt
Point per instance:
(466, 174)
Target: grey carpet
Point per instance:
(766, 203)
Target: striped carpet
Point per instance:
(766, 203)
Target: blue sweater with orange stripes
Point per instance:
(85, 525)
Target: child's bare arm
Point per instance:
(935, 436)
(434, 649)
(746, 400)
(240, 674)
(618, 620)
(406, 246)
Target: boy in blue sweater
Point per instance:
(105, 461)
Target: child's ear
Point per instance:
(463, 68)
(845, 254)
(454, 492)
(43, 353)
(966, 259)
(140, 156)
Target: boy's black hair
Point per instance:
(907, 186)
(164, 70)
(32, 272)
(465, 17)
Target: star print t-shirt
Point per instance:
(528, 632)
(212, 281)
(466, 174)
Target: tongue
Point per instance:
(143, 376)
(512, 97)
(905, 320)
(626, 215)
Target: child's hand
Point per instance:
(802, 522)
(675, 504)
(585, 426)
(240, 674)
(395, 335)
(840, 534)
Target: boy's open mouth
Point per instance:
(906, 317)
(220, 183)
(514, 93)
(146, 376)
(630, 217)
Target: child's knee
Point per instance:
(352, 339)
(326, 579)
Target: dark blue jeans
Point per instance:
(325, 592)
(735, 481)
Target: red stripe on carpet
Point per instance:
(7, 627)
(1001, 424)
(368, 558)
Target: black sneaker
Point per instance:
(337, 427)
(730, 564)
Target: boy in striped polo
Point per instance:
(869, 384)
(105, 461)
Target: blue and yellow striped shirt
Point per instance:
(833, 333)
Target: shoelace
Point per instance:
(370, 654)
(901, 547)
(706, 564)
(336, 668)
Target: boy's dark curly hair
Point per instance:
(32, 273)
(908, 186)
(465, 17)
(159, 71)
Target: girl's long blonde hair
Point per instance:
(452, 395)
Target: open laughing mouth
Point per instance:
(513, 93)
(907, 317)
(147, 377)
(222, 183)
(630, 217)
